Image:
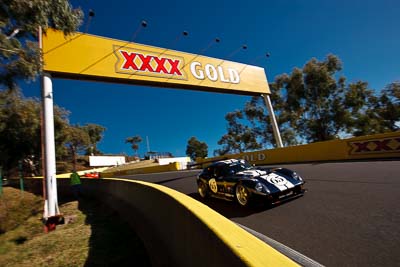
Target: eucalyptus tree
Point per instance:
(95, 133)
(312, 99)
(239, 138)
(387, 107)
(196, 149)
(20, 129)
(134, 141)
(313, 103)
(76, 140)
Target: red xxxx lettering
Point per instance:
(129, 60)
(174, 66)
(362, 147)
(160, 65)
(145, 63)
(382, 145)
(398, 141)
(129, 63)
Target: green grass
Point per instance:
(93, 235)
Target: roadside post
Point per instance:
(274, 124)
(51, 215)
(1, 181)
(21, 177)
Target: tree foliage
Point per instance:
(240, 137)
(95, 133)
(76, 140)
(312, 100)
(196, 149)
(387, 108)
(134, 141)
(20, 131)
(311, 104)
(19, 128)
(19, 23)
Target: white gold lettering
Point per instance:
(214, 73)
(211, 72)
(197, 73)
(234, 76)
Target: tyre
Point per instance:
(242, 195)
(203, 189)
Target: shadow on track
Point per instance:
(348, 181)
(230, 209)
(173, 179)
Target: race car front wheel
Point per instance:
(242, 195)
(203, 189)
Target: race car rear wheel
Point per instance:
(203, 189)
(242, 195)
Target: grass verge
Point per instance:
(93, 235)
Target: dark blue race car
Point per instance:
(236, 179)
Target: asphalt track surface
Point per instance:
(349, 216)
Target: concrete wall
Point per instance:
(182, 161)
(377, 146)
(153, 169)
(176, 229)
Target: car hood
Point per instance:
(278, 182)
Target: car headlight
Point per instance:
(296, 176)
(259, 187)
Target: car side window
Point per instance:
(210, 171)
(206, 172)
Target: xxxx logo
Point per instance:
(140, 62)
(375, 146)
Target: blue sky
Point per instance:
(363, 34)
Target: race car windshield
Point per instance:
(242, 166)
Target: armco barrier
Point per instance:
(379, 146)
(153, 169)
(176, 229)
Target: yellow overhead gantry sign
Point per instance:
(92, 57)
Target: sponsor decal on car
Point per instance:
(279, 181)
